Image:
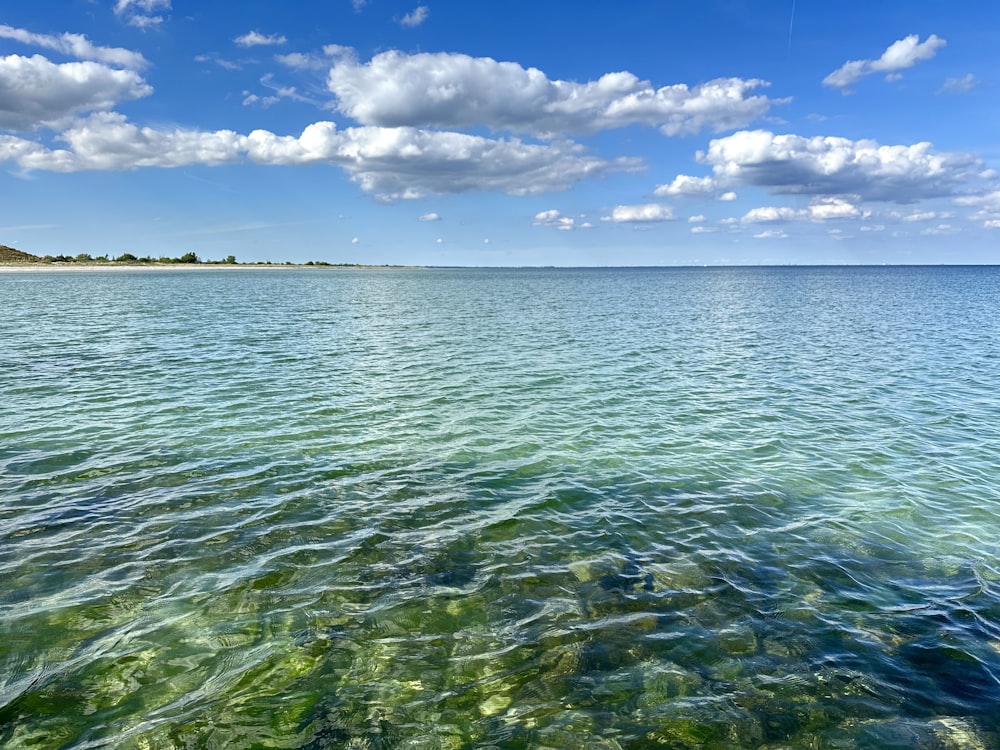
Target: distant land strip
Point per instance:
(10, 256)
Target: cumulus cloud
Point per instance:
(697, 219)
(728, 196)
(901, 54)
(826, 165)
(771, 215)
(107, 141)
(827, 208)
(686, 185)
(702, 230)
(35, 91)
(76, 45)
(256, 39)
(646, 212)
(430, 217)
(140, 13)
(554, 219)
(819, 210)
(398, 163)
(391, 163)
(451, 90)
(416, 17)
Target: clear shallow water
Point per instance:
(713, 508)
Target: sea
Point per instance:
(613, 508)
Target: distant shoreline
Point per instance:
(88, 267)
(192, 267)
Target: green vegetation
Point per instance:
(11, 255)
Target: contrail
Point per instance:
(791, 24)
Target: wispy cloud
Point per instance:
(140, 13)
(959, 85)
(76, 45)
(899, 55)
(256, 39)
(416, 17)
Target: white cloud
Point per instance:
(771, 234)
(140, 12)
(391, 163)
(899, 55)
(959, 85)
(826, 208)
(302, 61)
(728, 196)
(430, 217)
(826, 165)
(145, 6)
(987, 205)
(820, 209)
(35, 91)
(702, 230)
(553, 218)
(686, 185)
(926, 215)
(398, 163)
(256, 39)
(313, 60)
(279, 92)
(940, 229)
(355, 241)
(107, 141)
(76, 45)
(453, 91)
(771, 214)
(697, 219)
(415, 18)
(646, 212)
(221, 62)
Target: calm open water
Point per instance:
(613, 509)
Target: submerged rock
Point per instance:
(625, 580)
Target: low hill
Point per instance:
(10, 255)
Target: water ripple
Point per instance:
(607, 509)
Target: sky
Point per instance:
(717, 132)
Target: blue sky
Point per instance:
(515, 133)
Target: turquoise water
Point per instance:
(634, 508)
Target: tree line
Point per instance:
(130, 258)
